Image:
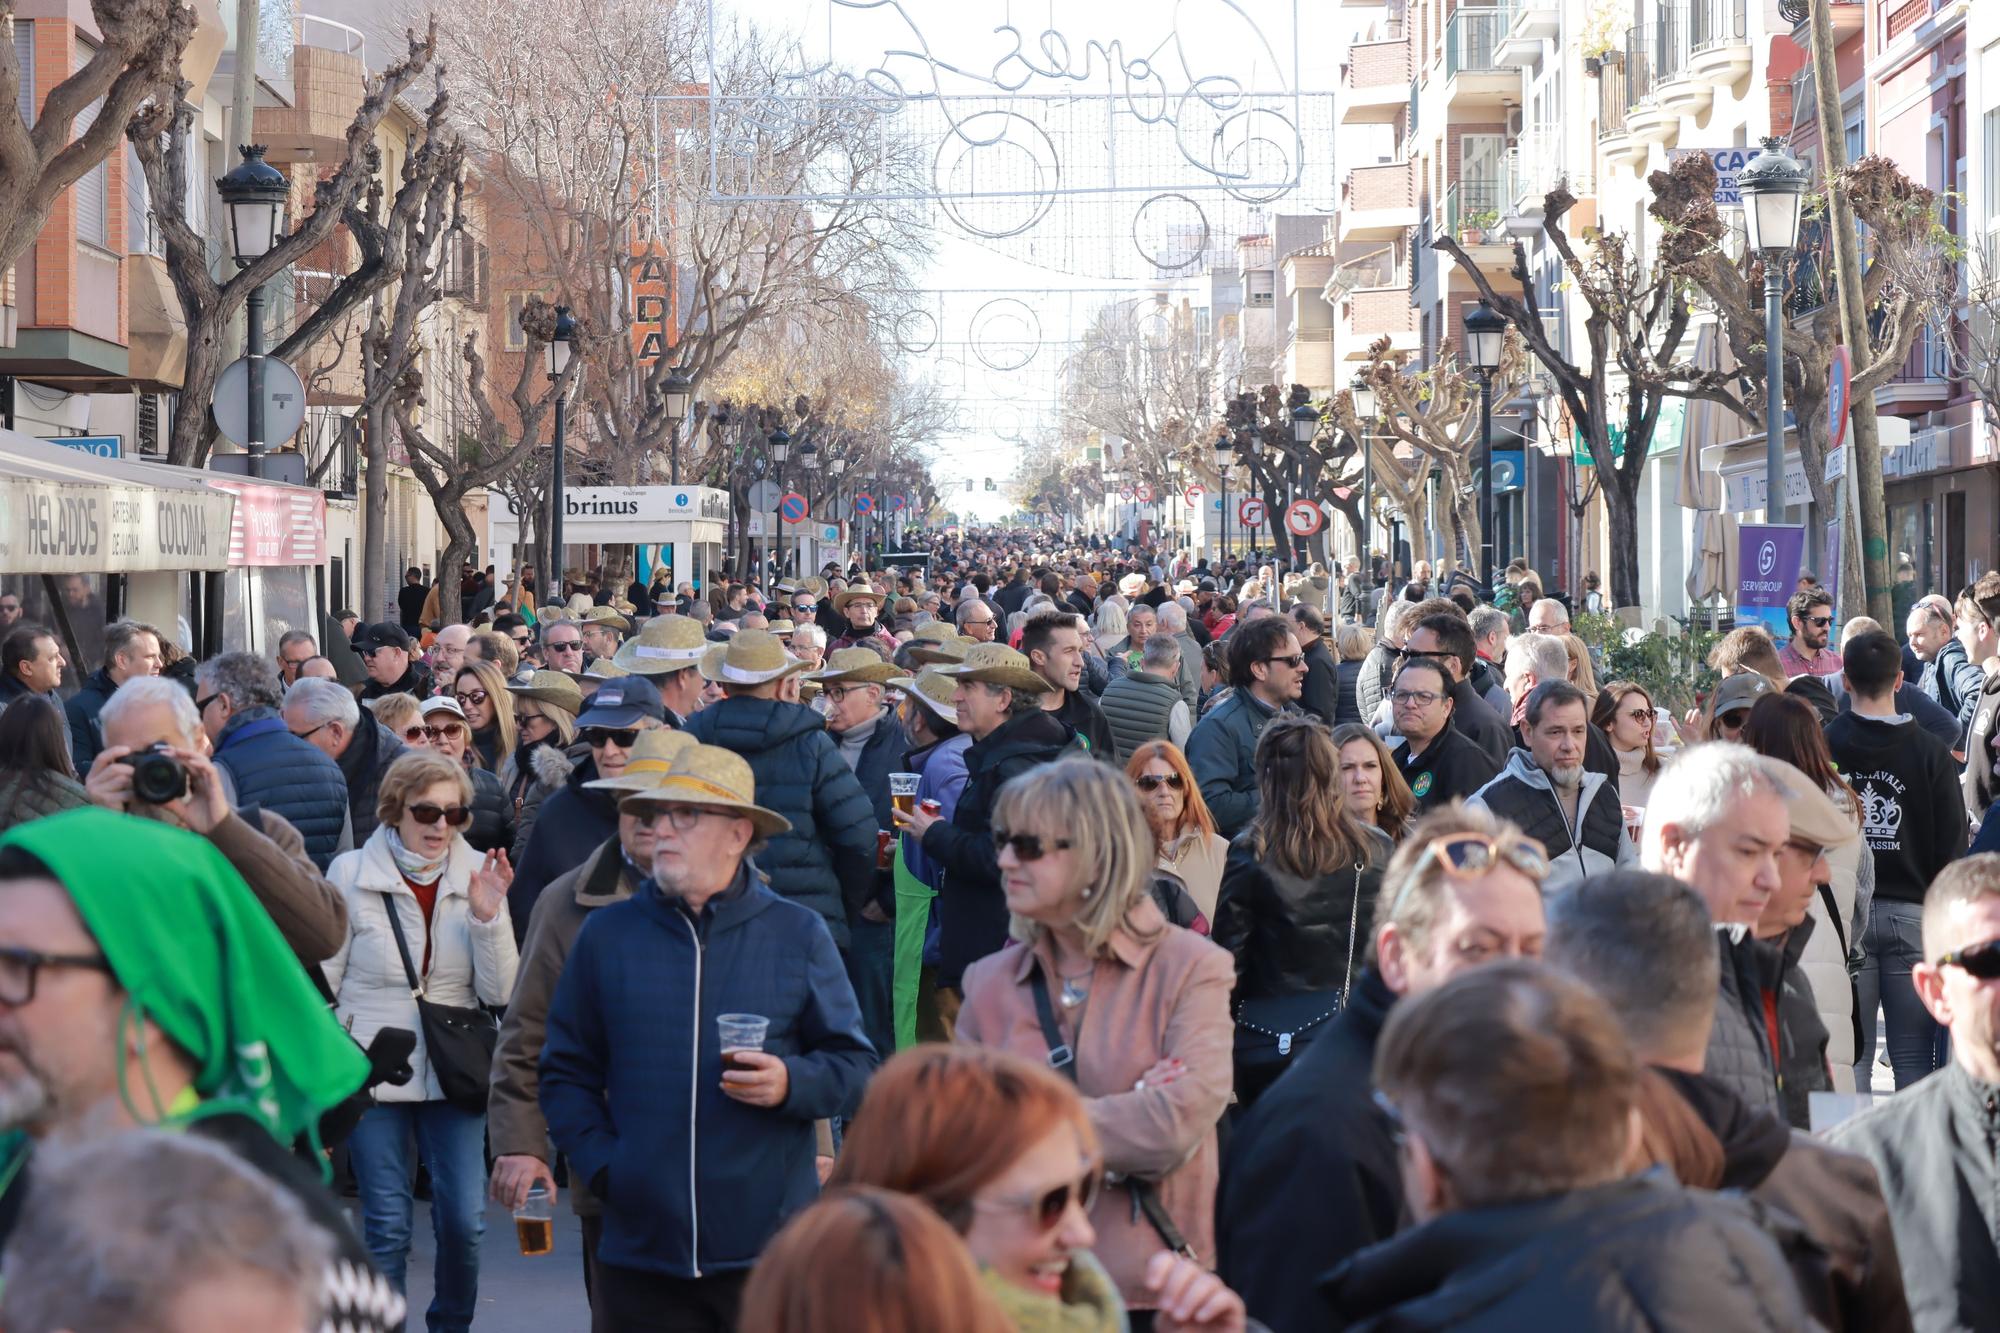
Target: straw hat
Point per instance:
(603, 668)
(651, 755)
(667, 644)
(856, 666)
(934, 689)
(949, 648)
(781, 627)
(552, 688)
(752, 657)
(815, 585)
(1132, 584)
(579, 604)
(860, 592)
(606, 615)
(997, 664)
(709, 776)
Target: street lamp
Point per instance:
(677, 390)
(556, 359)
(1225, 455)
(1305, 424)
(255, 193)
(1362, 392)
(1774, 190)
(1485, 335)
(781, 449)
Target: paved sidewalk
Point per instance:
(516, 1295)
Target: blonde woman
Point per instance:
(481, 691)
(402, 714)
(1581, 674)
(1352, 643)
(1143, 1004)
(449, 904)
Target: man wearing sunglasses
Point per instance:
(1312, 1174)
(1932, 1145)
(1809, 653)
(392, 669)
(1267, 671)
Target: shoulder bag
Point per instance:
(458, 1039)
(1271, 1029)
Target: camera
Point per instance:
(157, 777)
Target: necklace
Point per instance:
(1074, 994)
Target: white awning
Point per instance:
(64, 512)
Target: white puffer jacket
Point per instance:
(1825, 960)
(472, 962)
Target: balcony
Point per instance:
(1645, 119)
(1529, 24)
(1378, 203)
(329, 68)
(1613, 139)
(1534, 166)
(1848, 16)
(1380, 312)
(1309, 358)
(1375, 81)
(1673, 78)
(1473, 77)
(1721, 41)
(1472, 218)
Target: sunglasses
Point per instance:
(1155, 781)
(1295, 661)
(1735, 718)
(421, 733)
(1980, 962)
(426, 813)
(1642, 714)
(523, 640)
(476, 697)
(573, 646)
(622, 737)
(1049, 1209)
(1027, 846)
(1470, 855)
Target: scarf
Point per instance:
(1089, 1302)
(855, 739)
(198, 955)
(413, 867)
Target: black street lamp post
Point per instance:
(1485, 335)
(1773, 186)
(556, 357)
(255, 193)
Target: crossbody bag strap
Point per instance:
(1062, 1056)
(1833, 916)
(402, 945)
(1353, 924)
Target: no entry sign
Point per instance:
(1192, 495)
(1303, 518)
(1251, 512)
(793, 507)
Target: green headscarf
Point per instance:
(199, 956)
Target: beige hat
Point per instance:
(856, 666)
(708, 775)
(579, 604)
(815, 585)
(552, 688)
(859, 592)
(752, 657)
(666, 645)
(603, 668)
(949, 648)
(997, 664)
(606, 615)
(781, 627)
(1132, 584)
(1815, 818)
(934, 690)
(651, 755)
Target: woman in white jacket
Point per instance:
(452, 905)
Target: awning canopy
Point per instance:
(64, 512)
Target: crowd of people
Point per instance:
(1017, 936)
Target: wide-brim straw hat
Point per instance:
(603, 668)
(856, 666)
(847, 596)
(949, 649)
(667, 644)
(997, 664)
(934, 689)
(711, 777)
(752, 657)
(782, 627)
(606, 615)
(814, 585)
(552, 688)
(651, 755)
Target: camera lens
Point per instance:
(158, 777)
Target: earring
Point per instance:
(1087, 893)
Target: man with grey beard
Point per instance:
(1545, 788)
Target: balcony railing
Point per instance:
(1472, 204)
(1469, 38)
(1719, 22)
(1805, 98)
(1534, 165)
(1611, 98)
(1638, 68)
(1670, 43)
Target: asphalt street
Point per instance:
(516, 1295)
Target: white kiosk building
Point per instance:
(687, 524)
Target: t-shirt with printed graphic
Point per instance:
(1911, 813)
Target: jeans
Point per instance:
(452, 1144)
(1893, 945)
(871, 970)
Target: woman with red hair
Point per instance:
(1004, 1151)
(1183, 829)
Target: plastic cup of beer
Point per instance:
(903, 790)
(739, 1033)
(535, 1222)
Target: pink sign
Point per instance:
(274, 525)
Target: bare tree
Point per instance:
(136, 61)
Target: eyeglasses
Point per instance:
(1027, 846)
(1642, 714)
(570, 646)
(622, 737)
(1421, 698)
(685, 817)
(422, 733)
(1981, 962)
(1155, 781)
(523, 640)
(19, 968)
(477, 698)
(1048, 1210)
(201, 704)
(1819, 622)
(308, 735)
(426, 813)
(1295, 661)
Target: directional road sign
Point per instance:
(1251, 511)
(1303, 518)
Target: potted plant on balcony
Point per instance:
(1474, 226)
(1599, 38)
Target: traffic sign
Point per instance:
(864, 503)
(896, 502)
(284, 401)
(1144, 491)
(1125, 492)
(1302, 518)
(1251, 512)
(1192, 494)
(764, 496)
(1836, 398)
(793, 507)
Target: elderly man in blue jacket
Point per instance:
(699, 1157)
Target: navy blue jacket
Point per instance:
(11, 689)
(694, 1182)
(367, 757)
(270, 767)
(573, 823)
(827, 861)
(86, 733)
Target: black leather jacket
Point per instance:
(1290, 934)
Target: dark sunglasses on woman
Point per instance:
(1049, 1209)
(475, 697)
(1027, 846)
(415, 734)
(426, 813)
(1154, 781)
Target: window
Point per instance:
(93, 192)
(24, 61)
(517, 303)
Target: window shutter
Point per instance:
(93, 192)
(24, 61)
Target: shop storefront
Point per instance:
(682, 527)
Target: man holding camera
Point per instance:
(155, 765)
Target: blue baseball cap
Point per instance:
(623, 702)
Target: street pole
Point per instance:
(254, 351)
(1486, 480)
(556, 508)
(1774, 389)
(1367, 515)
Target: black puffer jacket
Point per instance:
(1638, 1256)
(827, 860)
(492, 813)
(531, 775)
(972, 915)
(573, 823)
(1290, 934)
(364, 761)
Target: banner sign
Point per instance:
(275, 525)
(1768, 559)
(1728, 163)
